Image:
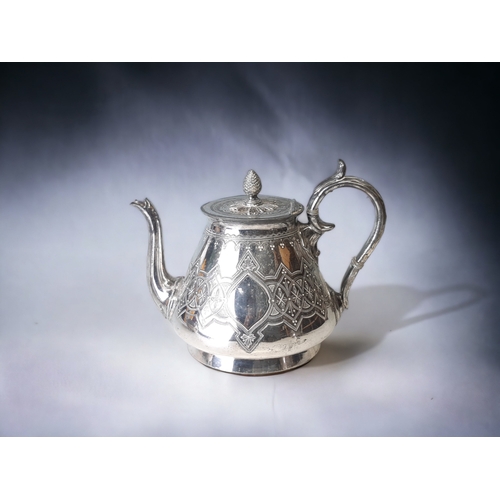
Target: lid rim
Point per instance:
(228, 209)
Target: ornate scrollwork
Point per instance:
(257, 244)
(283, 298)
(246, 207)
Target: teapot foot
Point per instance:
(254, 366)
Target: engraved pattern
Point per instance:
(245, 207)
(257, 244)
(285, 297)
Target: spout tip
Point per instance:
(141, 204)
(147, 208)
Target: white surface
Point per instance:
(85, 352)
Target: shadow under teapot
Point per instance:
(383, 309)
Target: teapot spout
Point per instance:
(162, 285)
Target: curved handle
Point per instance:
(317, 227)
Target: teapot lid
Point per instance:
(250, 207)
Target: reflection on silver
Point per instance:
(254, 301)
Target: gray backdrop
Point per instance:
(83, 350)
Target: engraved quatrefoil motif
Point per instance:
(254, 300)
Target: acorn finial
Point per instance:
(252, 184)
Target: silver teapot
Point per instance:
(254, 301)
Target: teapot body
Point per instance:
(254, 292)
(254, 301)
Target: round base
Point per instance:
(254, 366)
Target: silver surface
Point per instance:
(254, 366)
(318, 227)
(253, 292)
(252, 208)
